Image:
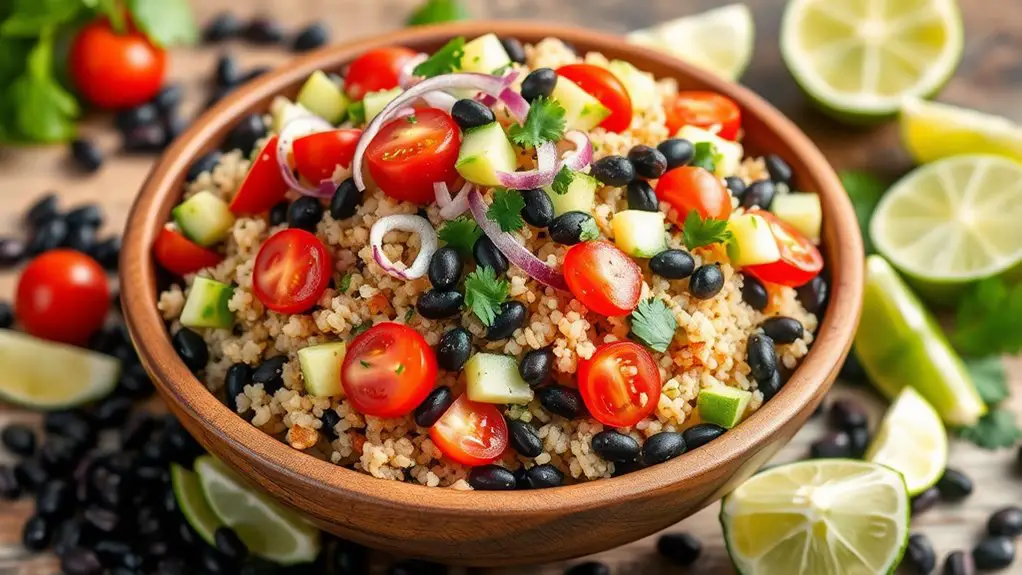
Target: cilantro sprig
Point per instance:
(989, 319)
(562, 181)
(461, 234)
(995, 430)
(653, 324)
(506, 209)
(444, 61)
(484, 293)
(706, 156)
(589, 230)
(698, 231)
(544, 123)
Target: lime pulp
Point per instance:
(911, 440)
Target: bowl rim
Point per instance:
(187, 396)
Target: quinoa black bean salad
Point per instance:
(494, 265)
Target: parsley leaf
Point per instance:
(706, 157)
(590, 231)
(562, 181)
(989, 378)
(506, 209)
(484, 293)
(653, 324)
(355, 330)
(444, 61)
(345, 283)
(864, 190)
(698, 232)
(436, 11)
(545, 123)
(994, 430)
(165, 22)
(461, 234)
(989, 319)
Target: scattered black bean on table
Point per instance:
(919, 558)
(925, 501)
(313, 36)
(682, 549)
(954, 485)
(589, 568)
(1006, 522)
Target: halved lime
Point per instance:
(718, 40)
(932, 131)
(43, 374)
(192, 501)
(912, 441)
(825, 516)
(952, 222)
(269, 530)
(900, 345)
(857, 60)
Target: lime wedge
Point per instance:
(269, 530)
(832, 516)
(718, 40)
(932, 131)
(912, 441)
(857, 60)
(192, 501)
(43, 374)
(899, 344)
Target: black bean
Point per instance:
(101, 520)
(81, 239)
(514, 49)
(222, 27)
(86, 154)
(270, 373)
(131, 118)
(589, 568)
(345, 201)
(67, 536)
(112, 411)
(434, 406)
(204, 163)
(847, 414)
(191, 348)
(107, 252)
(540, 83)
(454, 349)
(110, 551)
(706, 281)
(663, 446)
(313, 36)
(543, 476)
(31, 474)
(6, 315)
(487, 254)
(145, 139)
(42, 210)
(560, 400)
(12, 251)
(59, 454)
(135, 382)
(959, 563)
(672, 264)
(445, 268)
(919, 555)
(174, 124)
(649, 162)
(677, 151)
(954, 485)
(416, 567)
(48, 236)
(925, 500)
(524, 439)
(761, 355)
(539, 209)
(253, 73)
(616, 446)
(642, 197)
(511, 317)
(246, 133)
(993, 553)
(1006, 522)
(440, 304)
(263, 30)
(491, 478)
(536, 365)
(19, 439)
(81, 561)
(679, 548)
(759, 194)
(813, 295)
(736, 185)
(10, 487)
(67, 423)
(616, 171)
(228, 72)
(168, 98)
(782, 329)
(238, 376)
(54, 499)
(568, 227)
(780, 171)
(836, 444)
(85, 215)
(700, 434)
(305, 214)
(36, 534)
(469, 113)
(229, 544)
(859, 439)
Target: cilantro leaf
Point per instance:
(461, 234)
(545, 123)
(484, 293)
(706, 157)
(39, 107)
(653, 324)
(864, 190)
(29, 19)
(989, 319)
(165, 22)
(590, 231)
(989, 377)
(436, 11)
(562, 181)
(698, 232)
(995, 430)
(444, 61)
(506, 209)
(345, 283)
(355, 330)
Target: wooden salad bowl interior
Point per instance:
(492, 528)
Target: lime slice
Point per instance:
(269, 530)
(192, 501)
(43, 374)
(899, 344)
(912, 441)
(718, 40)
(932, 131)
(857, 60)
(832, 516)
(952, 222)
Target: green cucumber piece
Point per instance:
(204, 218)
(730, 153)
(641, 86)
(206, 305)
(581, 111)
(321, 368)
(722, 405)
(753, 243)
(485, 55)
(375, 102)
(580, 197)
(640, 234)
(492, 378)
(324, 98)
(802, 210)
(484, 152)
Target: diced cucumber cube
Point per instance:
(581, 110)
(321, 368)
(206, 305)
(641, 85)
(492, 378)
(485, 55)
(324, 98)
(204, 218)
(731, 153)
(722, 405)
(753, 243)
(639, 233)
(375, 102)
(802, 210)
(580, 197)
(484, 152)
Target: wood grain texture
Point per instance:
(990, 78)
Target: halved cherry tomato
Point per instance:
(470, 433)
(704, 110)
(800, 260)
(603, 278)
(291, 271)
(603, 85)
(263, 186)
(376, 70)
(62, 296)
(181, 256)
(316, 156)
(620, 383)
(692, 188)
(388, 370)
(411, 153)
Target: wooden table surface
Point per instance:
(989, 78)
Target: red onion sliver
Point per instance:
(515, 103)
(508, 78)
(405, 223)
(458, 205)
(440, 100)
(583, 154)
(443, 196)
(406, 77)
(301, 126)
(543, 175)
(515, 252)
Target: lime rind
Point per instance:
(931, 131)
(70, 376)
(911, 440)
(191, 499)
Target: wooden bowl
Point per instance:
(493, 528)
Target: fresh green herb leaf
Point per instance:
(364, 363)
(399, 369)
(653, 324)
(989, 377)
(590, 231)
(506, 209)
(864, 190)
(484, 293)
(165, 22)
(345, 283)
(33, 18)
(357, 113)
(361, 328)
(706, 157)
(562, 181)
(501, 70)
(409, 314)
(412, 119)
(461, 234)
(989, 319)
(995, 430)
(436, 11)
(42, 110)
(545, 123)
(444, 61)
(698, 232)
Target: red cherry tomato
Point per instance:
(603, 278)
(62, 296)
(388, 370)
(800, 260)
(471, 433)
(263, 186)
(115, 70)
(180, 256)
(376, 70)
(316, 156)
(291, 271)
(704, 110)
(603, 85)
(691, 188)
(620, 383)
(411, 153)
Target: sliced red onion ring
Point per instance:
(440, 100)
(509, 78)
(543, 175)
(583, 154)
(301, 126)
(516, 104)
(405, 223)
(443, 195)
(406, 77)
(458, 205)
(515, 252)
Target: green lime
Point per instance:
(825, 516)
(912, 441)
(857, 60)
(43, 374)
(193, 504)
(268, 529)
(931, 131)
(899, 344)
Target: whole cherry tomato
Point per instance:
(115, 70)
